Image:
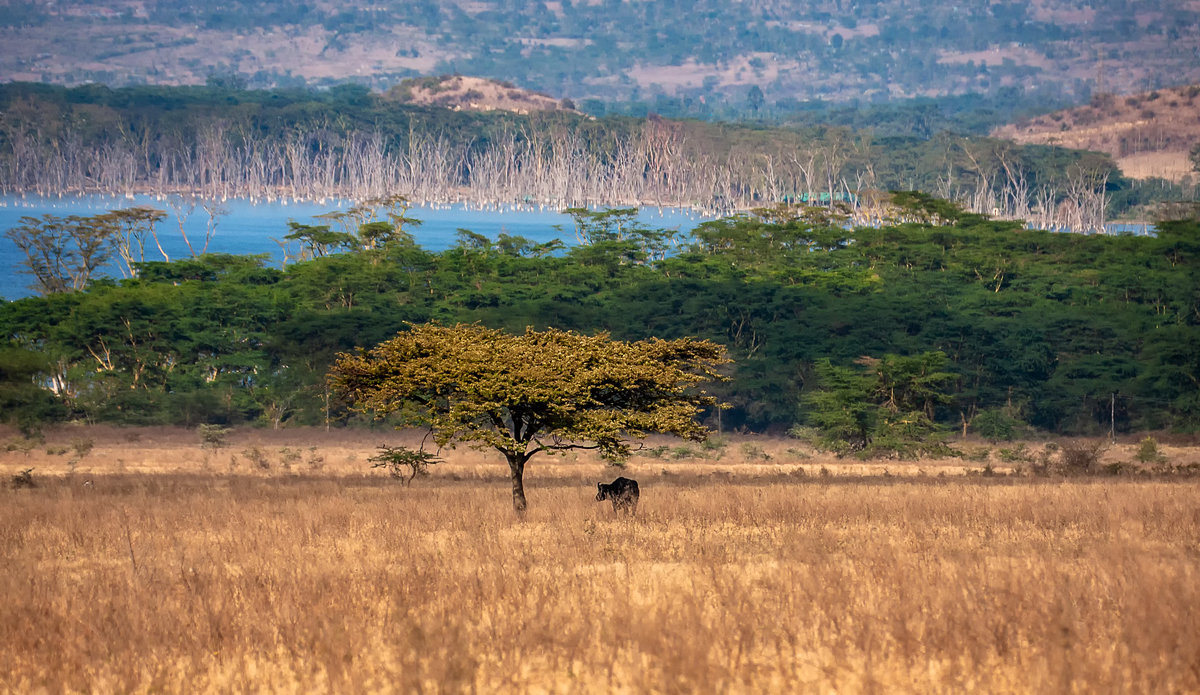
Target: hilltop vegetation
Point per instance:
(473, 94)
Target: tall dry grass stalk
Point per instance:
(207, 582)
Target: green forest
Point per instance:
(972, 324)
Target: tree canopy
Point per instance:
(538, 391)
(1048, 329)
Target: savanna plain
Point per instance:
(141, 561)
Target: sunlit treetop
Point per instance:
(537, 391)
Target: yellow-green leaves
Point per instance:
(539, 390)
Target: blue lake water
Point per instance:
(249, 227)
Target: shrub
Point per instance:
(400, 460)
(24, 445)
(1148, 451)
(682, 452)
(1017, 454)
(212, 436)
(655, 452)
(979, 454)
(996, 425)
(755, 452)
(804, 433)
(1081, 458)
(257, 457)
(315, 461)
(82, 446)
(287, 457)
(23, 479)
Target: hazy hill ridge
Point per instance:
(618, 49)
(1149, 134)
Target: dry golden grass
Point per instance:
(173, 578)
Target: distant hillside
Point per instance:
(474, 94)
(1148, 134)
(754, 56)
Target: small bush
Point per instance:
(82, 446)
(996, 425)
(258, 458)
(755, 452)
(212, 436)
(977, 455)
(683, 452)
(1148, 451)
(289, 457)
(23, 479)
(401, 460)
(655, 452)
(25, 445)
(1081, 458)
(57, 450)
(804, 433)
(1017, 454)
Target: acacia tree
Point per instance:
(62, 253)
(541, 391)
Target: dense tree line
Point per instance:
(348, 142)
(1061, 332)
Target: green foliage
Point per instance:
(1148, 451)
(1018, 454)
(399, 460)
(61, 253)
(996, 425)
(1038, 330)
(258, 458)
(24, 400)
(212, 436)
(885, 407)
(841, 408)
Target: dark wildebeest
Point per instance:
(623, 492)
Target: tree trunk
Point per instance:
(516, 464)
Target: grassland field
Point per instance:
(140, 561)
